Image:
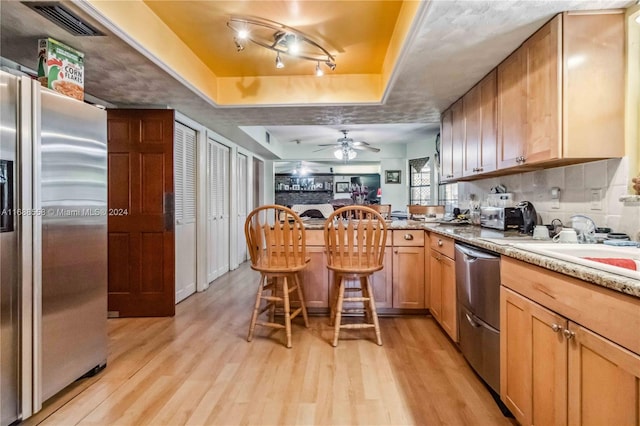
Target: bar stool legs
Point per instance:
(369, 304)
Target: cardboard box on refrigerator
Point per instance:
(61, 68)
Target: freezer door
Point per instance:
(9, 249)
(73, 195)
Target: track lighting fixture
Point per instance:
(279, 63)
(281, 39)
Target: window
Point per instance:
(420, 181)
(448, 196)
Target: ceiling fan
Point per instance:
(345, 147)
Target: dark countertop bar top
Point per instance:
(499, 242)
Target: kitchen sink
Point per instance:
(617, 260)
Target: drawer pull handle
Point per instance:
(439, 243)
(408, 237)
(556, 327)
(568, 334)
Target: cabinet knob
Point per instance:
(439, 243)
(396, 252)
(556, 327)
(568, 334)
(480, 169)
(408, 237)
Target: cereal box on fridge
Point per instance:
(61, 68)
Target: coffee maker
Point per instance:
(529, 217)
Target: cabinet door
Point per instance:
(604, 381)
(458, 131)
(315, 279)
(543, 77)
(512, 96)
(487, 152)
(449, 317)
(446, 146)
(435, 285)
(382, 282)
(408, 277)
(473, 122)
(533, 361)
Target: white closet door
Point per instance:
(218, 210)
(212, 210)
(224, 207)
(185, 207)
(243, 193)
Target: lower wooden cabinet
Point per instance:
(408, 277)
(315, 278)
(554, 371)
(442, 285)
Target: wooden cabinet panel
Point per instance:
(487, 160)
(443, 245)
(472, 105)
(314, 237)
(382, 282)
(408, 277)
(512, 90)
(604, 381)
(449, 317)
(543, 91)
(458, 133)
(315, 279)
(533, 361)
(435, 286)
(408, 237)
(446, 146)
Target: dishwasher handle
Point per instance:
(475, 253)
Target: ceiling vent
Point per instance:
(64, 18)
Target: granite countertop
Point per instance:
(499, 242)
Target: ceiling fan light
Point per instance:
(279, 63)
(351, 154)
(338, 153)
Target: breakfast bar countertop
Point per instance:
(501, 243)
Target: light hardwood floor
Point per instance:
(198, 369)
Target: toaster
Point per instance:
(501, 218)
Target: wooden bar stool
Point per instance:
(277, 246)
(355, 238)
(383, 209)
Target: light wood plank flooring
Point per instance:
(198, 369)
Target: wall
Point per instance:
(593, 189)
(395, 194)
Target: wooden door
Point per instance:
(473, 121)
(543, 78)
(435, 285)
(533, 361)
(408, 277)
(458, 131)
(217, 210)
(449, 314)
(604, 381)
(512, 95)
(446, 146)
(487, 153)
(224, 219)
(141, 237)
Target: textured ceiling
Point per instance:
(456, 44)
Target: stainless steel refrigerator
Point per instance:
(53, 243)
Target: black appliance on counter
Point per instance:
(501, 218)
(529, 217)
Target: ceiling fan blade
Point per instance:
(330, 144)
(359, 143)
(366, 148)
(322, 149)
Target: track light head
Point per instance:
(279, 63)
(331, 65)
(239, 46)
(319, 72)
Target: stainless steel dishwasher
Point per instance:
(478, 293)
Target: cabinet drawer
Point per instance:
(443, 245)
(408, 238)
(315, 237)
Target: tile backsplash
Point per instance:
(593, 189)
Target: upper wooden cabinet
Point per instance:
(480, 141)
(452, 142)
(561, 94)
(556, 100)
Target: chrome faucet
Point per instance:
(585, 227)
